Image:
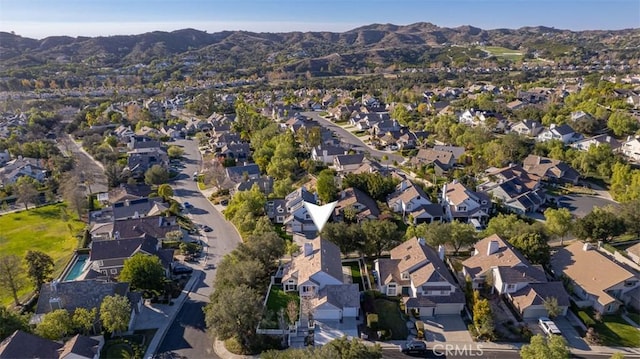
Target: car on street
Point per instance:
(187, 205)
(207, 228)
(548, 326)
(413, 347)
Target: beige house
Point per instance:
(634, 253)
(417, 272)
(597, 280)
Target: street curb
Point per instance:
(162, 332)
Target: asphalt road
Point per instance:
(353, 140)
(84, 161)
(187, 337)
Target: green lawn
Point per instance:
(615, 331)
(356, 276)
(390, 317)
(38, 229)
(278, 299)
(503, 52)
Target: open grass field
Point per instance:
(40, 229)
(503, 52)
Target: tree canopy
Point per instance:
(326, 186)
(541, 347)
(39, 267)
(143, 272)
(55, 325)
(115, 313)
(156, 175)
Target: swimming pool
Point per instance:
(77, 267)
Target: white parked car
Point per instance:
(548, 326)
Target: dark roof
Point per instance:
(563, 129)
(22, 345)
(121, 248)
(520, 274)
(345, 160)
(80, 345)
(331, 150)
(129, 190)
(129, 208)
(237, 172)
(77, 294)
(154, 226)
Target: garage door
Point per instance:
(426, 311)
(327, 314)
(534, 313)
(445, 309)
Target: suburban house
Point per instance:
(427, 156)
(238, 174)
(418, 273)
(20, 167)
(550, 170)
(464, 205)
(529, 128)
(316, 274)
(583, 145)
(129, 209)
(326, 153)
(633, 252)
(141, 159)
(631, 148)
(25, 345)
(411, 200)
(107, 257)
(276, 210)
(513, 188)
(4, 157)
(354, 202)
(137, 142)
(264, 183)
(563, 133)
(239, 151)
(298, 219)
(513, 276)
(86, 294)
(597, 280)
(127, 192)
(456, 151)
(347, 163)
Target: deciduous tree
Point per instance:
(10, 321)
(115, 313)
(558, 222)
(143, 272)
(83, 319)
(534, 246)
(39, 267)
(26, 191)
(379, 236)
(55, 325)
(541, 347)
(326, 186)
(156, 175)
(165, 191)
(11, 275)
(175, 152)
(599, 225)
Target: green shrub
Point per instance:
(586, 318)
(372, 321)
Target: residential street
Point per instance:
(187, 336)
(353, 140)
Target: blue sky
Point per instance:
(42, 18)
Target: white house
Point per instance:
(563, 133)
(326, 153)
(417, 272)
(631, 148)
(298, 219)
(464, 205)
(527, 128)
(411, 200)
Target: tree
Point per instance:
(26, 191)
(291, 248)
(552, 307)
(115, 313)
(462, 235)
(507, 226)
(11, 275)
(622, 123)
(292, 311)
(165, 191)
(346, 237)
(630, 214)
(175, 152)
(541, 347)
(599, 225)
(379, 236)
(266, 247)
(617, 355)
(326, 186)
(73, 193)
(558, 222)
(482, 316)
(156, 175)
(55, 325)
(39, 267)
(143, 272)
(234, 312)
(534, 246)
(341, 348)
(10, 321)
(83, 319)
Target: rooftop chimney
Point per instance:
(441, 252)
(308, 249)
(492, 247)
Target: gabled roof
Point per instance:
(421, 261)
(429, 155)
(563, 129)
(548, 167)
(591, 270)
(121, 248)
(482, 261)
(537, 293)
(456, 151)
(22, 345)
(346, 160)
(236, 173)
(142, 206)
(78, 294)
(129, 191)
(324, 257)
(340, 296)
(154, 226)
(353, 195)
(409, 193)
(80, 345)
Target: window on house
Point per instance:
(391, 289)
(114, 271)
(511, 286)
(462, 208)
(280, 210)
(307, 216)
(279, 219)
(405, 276)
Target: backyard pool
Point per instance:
(77, 267)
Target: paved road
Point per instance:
(353, 140)
(580, 204)
(187, 336)
(84, 161)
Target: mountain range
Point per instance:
(377, 44)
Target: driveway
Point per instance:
(446, 328)
(353, 140)
(571, 334)
(187, 336)
(580, 204)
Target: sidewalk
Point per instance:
(164, 320)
